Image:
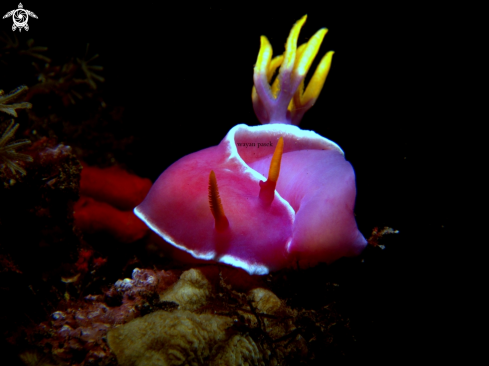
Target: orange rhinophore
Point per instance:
(215, 203)
(267, 189)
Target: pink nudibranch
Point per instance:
(215, 203)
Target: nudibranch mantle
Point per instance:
(260, 238)
(217, 203)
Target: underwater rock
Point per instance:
(181, 337)
(190, 292)
(76, 332)
(239, 350)
(266, 302)
(156, 318)
(212, 326)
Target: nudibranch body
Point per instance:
(218, 203)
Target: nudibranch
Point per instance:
(267, 196)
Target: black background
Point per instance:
(184, 74)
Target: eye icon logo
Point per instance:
(20, 17)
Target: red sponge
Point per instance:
(107, 199)
(114, 185)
